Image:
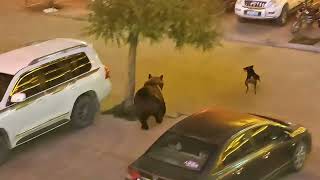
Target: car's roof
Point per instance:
(15, 60)
(216, 125)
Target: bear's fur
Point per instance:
(148, 101)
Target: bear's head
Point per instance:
(155, 81)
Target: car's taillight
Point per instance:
(133, 174)
(107, 71)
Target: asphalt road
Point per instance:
(265, 31)
(100, 152)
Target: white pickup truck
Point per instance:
(267, 9)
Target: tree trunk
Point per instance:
(130, 90)
(51, 3)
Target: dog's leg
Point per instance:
(246, 83)
(255, 87)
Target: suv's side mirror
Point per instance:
(18, 97)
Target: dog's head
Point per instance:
(248, 68)
(155, 80)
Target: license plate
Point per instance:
(253, 13)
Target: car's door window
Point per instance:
(266, 135)
(30, 83)
(5, 80)
(79, 63)
(237, 149)
(57, 73)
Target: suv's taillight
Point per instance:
(107, 71)
(133, 174)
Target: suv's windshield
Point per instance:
(181, 151)
(5, 80)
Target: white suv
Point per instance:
(266, 9)
(46, 85)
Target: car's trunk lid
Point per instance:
(151, 169)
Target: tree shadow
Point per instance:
(121, 111)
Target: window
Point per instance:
(238, 148)
(181, 151)
(63, 69)
(57, 73)
(79, 63)
(5, 80)
(266, 135)
(30, 83)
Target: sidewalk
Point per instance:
(263, 33)
(73, 9)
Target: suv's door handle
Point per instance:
(266, 156)
(238, 171)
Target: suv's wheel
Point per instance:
(4, 150)
(283, 18)
(84, 111)
(299, 156)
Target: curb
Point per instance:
(77, 18)
(301, 47)
(176, 115)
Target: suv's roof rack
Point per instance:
(35, 42)
(55, 53)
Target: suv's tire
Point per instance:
(84, 111)
(283, 18)
(299, 156)
(4, 150)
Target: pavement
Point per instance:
(193, 80)
(100, 152)
(253, 31)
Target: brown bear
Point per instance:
(148, 101)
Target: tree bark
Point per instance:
(51, 3)
(130, 90)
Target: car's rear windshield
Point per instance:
(5, 80)
(182, 151)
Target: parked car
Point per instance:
(221, 144)
(267, 9)
(46, 85)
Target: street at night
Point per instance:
(193, 81)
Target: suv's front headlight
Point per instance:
(272, 3)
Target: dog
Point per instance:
(149, 101)
(252, 78)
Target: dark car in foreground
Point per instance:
(221, 144)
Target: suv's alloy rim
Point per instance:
(300, 156)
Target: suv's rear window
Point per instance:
(181, 151)
(5, 80)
